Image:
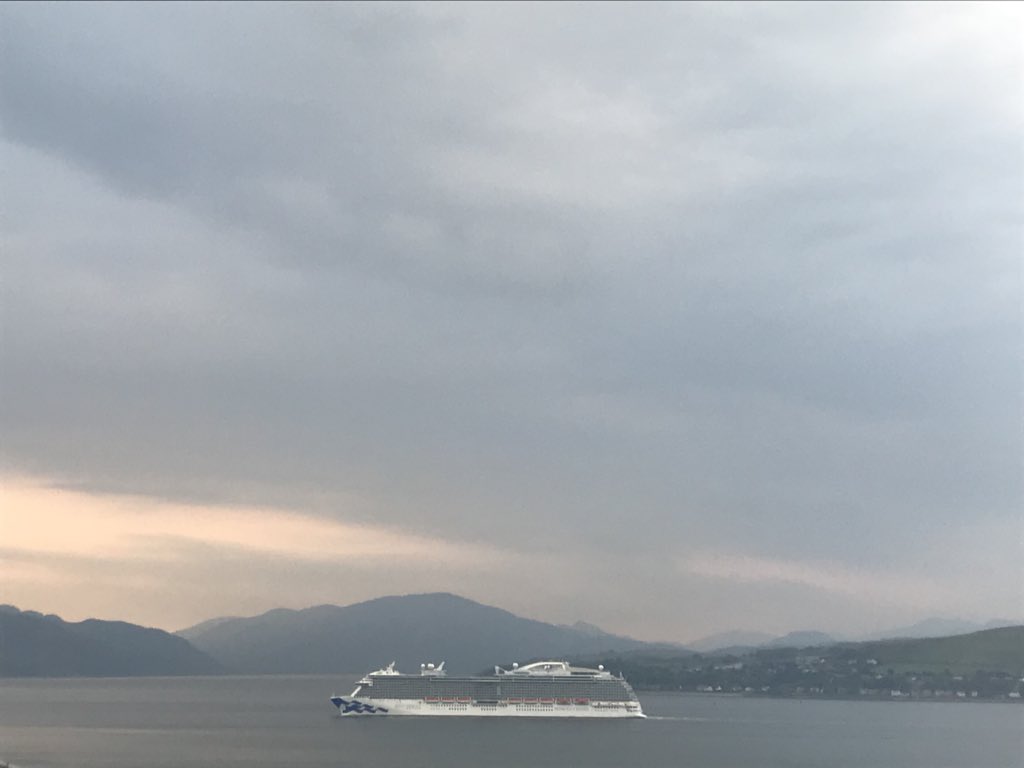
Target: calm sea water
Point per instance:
(287, 721)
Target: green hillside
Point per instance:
(991, 649)
(986, 665)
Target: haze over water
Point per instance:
(287, 721)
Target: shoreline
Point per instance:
(774, 697)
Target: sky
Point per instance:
(672, 318)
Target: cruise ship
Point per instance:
(540, 689)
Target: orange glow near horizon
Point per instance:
(45, 532)
(44, 519)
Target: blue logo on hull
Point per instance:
(355, 707)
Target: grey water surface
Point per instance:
(287, 721)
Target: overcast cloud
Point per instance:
(702, 315)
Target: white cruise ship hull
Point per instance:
(539, 689)
(367, 707)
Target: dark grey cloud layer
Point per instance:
(661, 279)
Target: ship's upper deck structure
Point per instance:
(541, 680)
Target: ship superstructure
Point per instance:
(540, 689)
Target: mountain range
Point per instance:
(410, 630)
(34, 645)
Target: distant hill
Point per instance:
(801, 639)
(586, 628)
(990, 662)
(736, 638)
(409, 629)
(34, 645)
(939, 627)
(738, 641)
(204, 626)
(991, 649)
